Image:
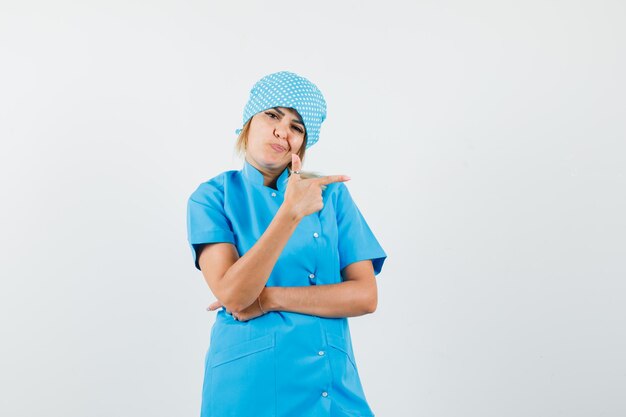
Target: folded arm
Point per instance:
(356, 296)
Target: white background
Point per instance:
(486, 145)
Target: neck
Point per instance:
(269, 176)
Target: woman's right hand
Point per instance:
(304, 196)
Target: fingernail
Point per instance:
(347, 177)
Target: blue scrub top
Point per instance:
(282, 363)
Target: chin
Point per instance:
(272, 162)
(275, 159)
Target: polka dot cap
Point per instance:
(286, 89)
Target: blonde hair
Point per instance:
(241, 147)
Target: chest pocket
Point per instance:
(243, 379)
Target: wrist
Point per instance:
(266, 299)
(288, 213)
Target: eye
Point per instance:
(297, 129)
(271, 114)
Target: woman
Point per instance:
(289, 257)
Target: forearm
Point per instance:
(346, 299)
(247, 277)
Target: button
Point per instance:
(324, 394)
(273, 194)
(321, 353)
(315, 234)
(311, 276)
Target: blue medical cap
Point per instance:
(287, 89)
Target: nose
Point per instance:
(280, 131)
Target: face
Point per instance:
(274, 135)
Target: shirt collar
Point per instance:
(256, 177)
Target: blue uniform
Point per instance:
(282, 363)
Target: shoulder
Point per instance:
(213, 188)
(337, 191)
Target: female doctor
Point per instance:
(289, 257)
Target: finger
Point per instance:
(296, 163)
(332, 178)
(214, 305)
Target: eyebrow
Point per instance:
(282, 114)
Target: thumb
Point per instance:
(296, 163)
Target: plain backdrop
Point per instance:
(486, 145)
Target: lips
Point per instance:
(277, 148)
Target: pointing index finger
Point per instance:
(333, 178)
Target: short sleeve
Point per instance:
(206, 218)
(356, 240)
